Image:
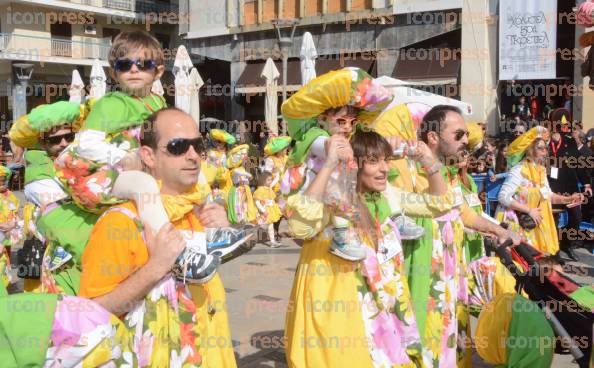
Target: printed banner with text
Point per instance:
(527, 39)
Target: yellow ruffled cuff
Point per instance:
(306, 215)
(439, 203)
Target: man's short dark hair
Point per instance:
(433, 119)
(148, 133)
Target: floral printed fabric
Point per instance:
(84, 334)
(447, 288)
(388, 313)
(160, 331)
(88, 182)
(9, 206)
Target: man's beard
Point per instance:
(453, 158)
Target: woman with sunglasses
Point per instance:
(345, 314)
(525, 198)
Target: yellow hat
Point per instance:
(517, 149)
(237, 156)
(5, 172)
(475, 136)
(26, 130)
(345, 87)
(222, 136)
(277, 144)
(395, 120)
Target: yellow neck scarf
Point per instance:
(533, 172)
(177, 206)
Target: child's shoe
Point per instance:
(408, 228)
(58, 259)
(346, 244)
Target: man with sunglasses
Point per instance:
(132, 273)
(445, 132)
(45, 132)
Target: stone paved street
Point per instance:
(258, 287)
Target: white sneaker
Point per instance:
(408, 228)
(229, 242)
(346, 245)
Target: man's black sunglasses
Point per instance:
(179, 146)
(124, 65)
(57, 139)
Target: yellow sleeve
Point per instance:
(306, 216)
(420, 205)
(16, 203)
(467, 215)
(114, 251)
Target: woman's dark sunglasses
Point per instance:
(124, 65)
(179, 146)
(57, 139)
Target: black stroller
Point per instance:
(551, 290)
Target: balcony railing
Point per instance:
(155, 6)
(139, 6)
(118, 4)
(61, 48)
(36, 47)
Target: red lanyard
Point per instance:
(556, 149)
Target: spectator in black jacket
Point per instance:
(588, 169)
(564, 177)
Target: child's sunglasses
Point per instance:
(124, 65)
(179, 146)
(57, 139)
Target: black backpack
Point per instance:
(29, 259)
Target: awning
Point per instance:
(250, 82)
(427, 68)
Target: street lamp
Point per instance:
(285, 42)
(23, 73)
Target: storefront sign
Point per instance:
(527, 39)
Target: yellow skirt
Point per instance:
(216, 345)
(324, 326)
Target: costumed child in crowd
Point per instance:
(101, 167)
(10, 231)
(311, 121)
(240, 204)
(275, 162)
(229, 187)
(217, 158)
(268, 210)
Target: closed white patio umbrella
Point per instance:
(271, 74)
(308, 56)
(98, 80)
(77, 88)
(195, 83)
(157, 88)
(183, 88)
